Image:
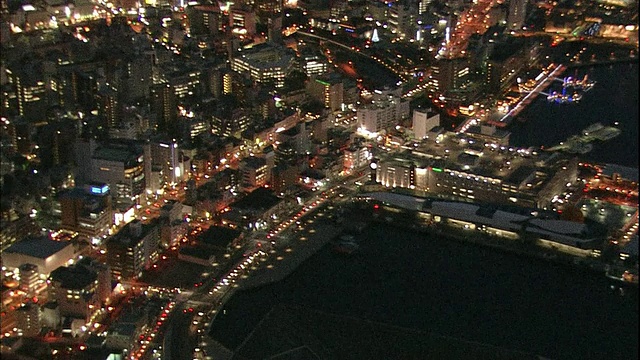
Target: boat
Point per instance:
(607, 133)
(591, 128)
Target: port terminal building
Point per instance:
(509, 223)
(466, 168)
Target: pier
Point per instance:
(527, 99)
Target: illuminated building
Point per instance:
(109, 106)
(164, 105)
(517, 14)
(400, 173)
(169, 160)
(253, 172)
(30, 91)
(230, 123)
(133, 249)
(264, 63)
(424, 121)
(80, 289)
(448, 74)
(401, 21)
(268, 6)
(488, 134)
(507, 223)
(186, 83)
(29, 278)
(312, 64)
(206, 19)
(355, 157)
(28, 319)
(329, 90)
(506, 61)
(121, 166)
(471, 174)
(40, 251)
(382, 114)
(242, 20)
(87, 211)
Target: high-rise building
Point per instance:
(449, 74)
(230, 122)
(329, 90)
(164, 106)
(253, 172)
(121, 166)
(133, 249)
(517, 14)
(109, 107)
(382, 114)
(30, 91)
(87, 211)
(242, 20)
(264, 63)
(423, 121)
(169, 159)
(28, 319)
(80, 289)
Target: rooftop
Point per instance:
(74, 277)
(259, 199)
(38, 246)
(219, 236)
(121, 153)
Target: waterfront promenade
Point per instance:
(300, 251)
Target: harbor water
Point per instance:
(444, 287)
(614, 98)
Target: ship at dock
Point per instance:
(581, 144)
(600, 132)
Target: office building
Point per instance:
(87, 211)
(423, 121)
(28, 320)
(264, 63)
(80, 289)
(382, 114)
(253, 172)
(121, 166)
(133, 249)
(517, 14)
(327, 89)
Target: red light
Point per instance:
(376, 206)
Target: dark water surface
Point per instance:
(454, 289)
(614, 98)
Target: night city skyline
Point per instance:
(319, 179)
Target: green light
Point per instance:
(323, 82)
(436, 169)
